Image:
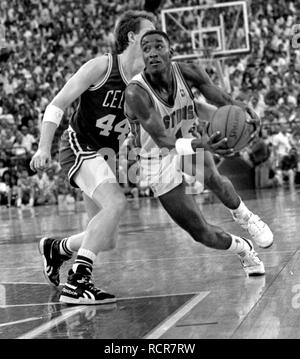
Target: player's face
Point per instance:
(156, 53)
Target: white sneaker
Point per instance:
(258, 230)
(252, 265)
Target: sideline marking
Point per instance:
(20, 321)
(118, 299)
(165, 325)
(68, 312)
(49, 325)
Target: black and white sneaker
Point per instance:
(80, 289)
(49, 249)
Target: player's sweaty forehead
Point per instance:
(153, 38)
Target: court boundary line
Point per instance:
(158, 296)
(42, 283)
(27, 305)
(69, 312)
(31, 319)
(169, 322)
(118, 299)
(262, 295)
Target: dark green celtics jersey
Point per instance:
(99, 120)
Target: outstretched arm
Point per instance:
(140, 108)
(197, 77)
(90, 73)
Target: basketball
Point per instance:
(230, 120)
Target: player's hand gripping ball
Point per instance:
(232, 122)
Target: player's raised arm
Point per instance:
(90, 73)
(140, 108)
(197, 77)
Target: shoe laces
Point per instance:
(88, 281)
(255, 224)
(241, 219)
(252, 257)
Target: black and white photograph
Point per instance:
(149, 172)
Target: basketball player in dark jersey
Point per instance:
(159, 103)
(98, 124)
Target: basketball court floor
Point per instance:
(168, 286)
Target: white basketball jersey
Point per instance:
(177, 119)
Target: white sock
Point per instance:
(87, 253)
(238, 245)
(85, 258)
(241, 212)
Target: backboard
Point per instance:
(222, 28)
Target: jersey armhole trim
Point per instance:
(102, 82)
(121, 70)
(177, 67)
(152, 91)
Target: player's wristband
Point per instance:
(184, 146)
(53, 114)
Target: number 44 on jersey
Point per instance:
(106, 124)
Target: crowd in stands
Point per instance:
(269, 79)
(46, 41)
(275, 157)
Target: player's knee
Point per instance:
(208, 236)
(118, 203)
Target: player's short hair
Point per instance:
(158, 32)
(129, 21)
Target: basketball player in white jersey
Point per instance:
(160, 106)
(98, 122)
(222, 187)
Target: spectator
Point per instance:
(295, 141)
(25, 189)
(34, 148)
(51, 193)
(260, 156)
(288, 167)
(281, 143)
(65, 193)
(5, 189)
(33, 130)
(55, 163)
(40, 183)
(8, 139)
(27, 139)
(3, 167)
(14, 190)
